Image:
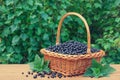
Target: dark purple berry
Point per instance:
(44, 72)
(28, 72)
(59, 75)
(35, 76)
(53, 74)
(64, 76)
(40, 73)
(43, 75)
(48, 77)
(31, 73)
(26, 75)
(22, 72)
(48, 73)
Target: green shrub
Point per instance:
(26, 26)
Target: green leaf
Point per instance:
(88, 5)
(44, 16)
(62, 12)
(39, 64)
(23, 36)
(37, 3)
(18, 13)
(47, 63)
(8, 22)
(117, 42)
(45, 37)
(6, 32)
(39, 31)
(10, 16)
(98, 5)
(88, 72)
(98, 70)
(37, 58)
(3, 9)
(2, 59)
(117, 2)
(95, 64)
(46, 69)
(34, 20)
(117, 19)
(13, 28)
(2, 48)
(10, 49)
(107, 46)
(106, 70)
(9, 2)
(17, 21)
(30, 2)
(15, 40)
(42, 61)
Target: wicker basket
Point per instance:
(71, 64)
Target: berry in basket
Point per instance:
(71, 47)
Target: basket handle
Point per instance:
(86, 25)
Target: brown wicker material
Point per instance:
(71, 64)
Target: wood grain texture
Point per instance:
(13, 72)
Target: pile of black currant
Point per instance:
(71, 48)
(43, 74)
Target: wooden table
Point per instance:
(13, 72)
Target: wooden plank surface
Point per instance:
(13, 72)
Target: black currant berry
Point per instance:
(35, 76)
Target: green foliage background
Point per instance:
(26, 26)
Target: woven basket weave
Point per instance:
(71, 64)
